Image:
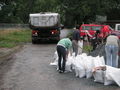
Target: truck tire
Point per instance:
(34, 41)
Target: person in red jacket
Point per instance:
(105, 32)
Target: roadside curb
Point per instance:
(5, 55)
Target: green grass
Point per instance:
(87, 48)
(12, 38)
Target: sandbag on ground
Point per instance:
(55, 58)
(79, 67)
(112, 75)
(92, 62)
(89, 64)
(69, 62)
(107, 75)
(83, 65)
(99, 74)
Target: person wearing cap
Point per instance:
(111, 49)
(63, 48)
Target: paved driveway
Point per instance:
(29, 69)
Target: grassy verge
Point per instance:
(87, 48)
(11, 38)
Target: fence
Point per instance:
(13, 26)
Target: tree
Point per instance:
(72, 12)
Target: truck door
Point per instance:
(117, 27)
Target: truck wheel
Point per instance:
(34, 41)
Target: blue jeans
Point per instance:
(111, 55)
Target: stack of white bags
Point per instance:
(85, 66)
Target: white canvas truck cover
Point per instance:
(44, 19)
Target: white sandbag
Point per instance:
(53, 63)
(99, 76)
(76, 72)
(80, 47)
(116, 77)
(80, 72)
(82, 66)
(89, 66)
(99, 61)
(69, 64)
(80, 43)
(102, 61)
(108, 81)
(73, 61)
(55, 58)
(91, 62)
(79, 66)
(99, 73)
(84, 55)
(112, 75)
(75, 67)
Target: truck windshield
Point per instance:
(96, 28)
(86, 27)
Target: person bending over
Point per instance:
(63, 48)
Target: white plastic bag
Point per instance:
(80, 47)
(98, 61)
(55, 58)
(80, 66)
(99, 76)
(69, 64)
(112, 75)
(89, 66)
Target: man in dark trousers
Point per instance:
(75, 39)
(63, 48)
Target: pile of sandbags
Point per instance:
(88, 66)
(84, 64)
